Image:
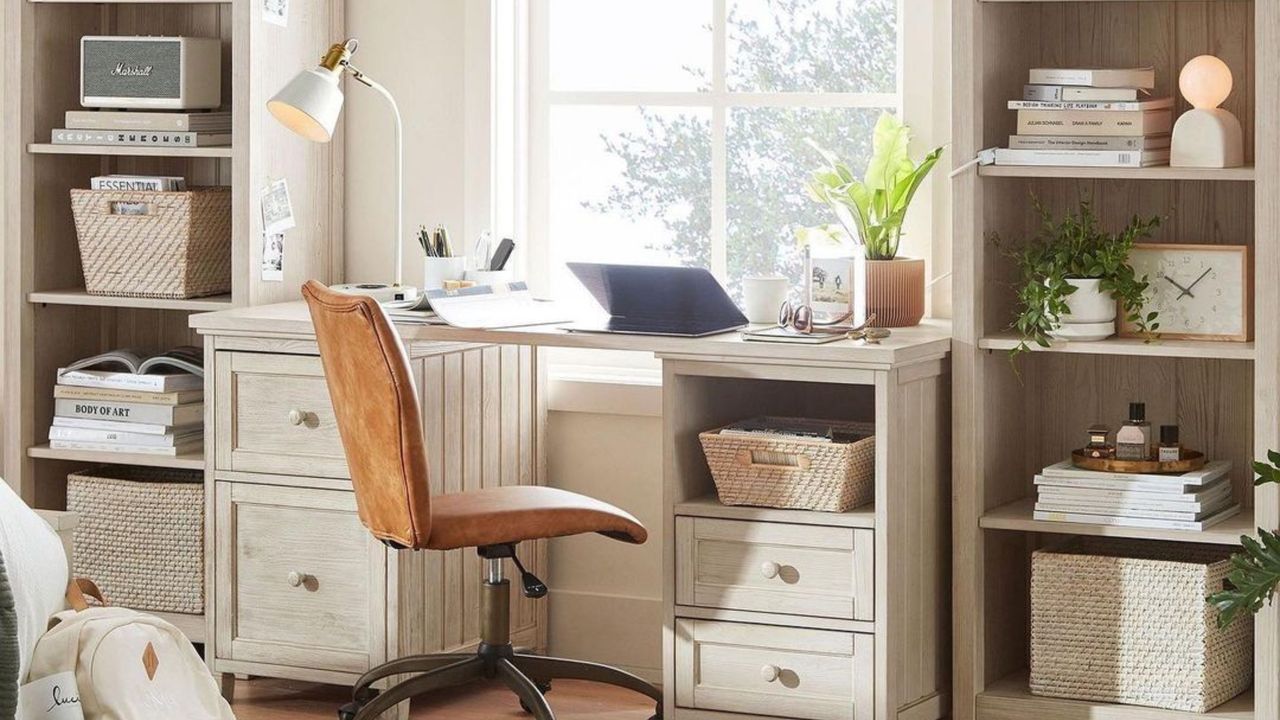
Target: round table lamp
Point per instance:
(1206, 136)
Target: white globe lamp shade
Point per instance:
(309, 105)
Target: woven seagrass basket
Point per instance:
(141, 535)
(154, 244)
(794, 473)
(1125, 621)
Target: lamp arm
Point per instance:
(395, 111)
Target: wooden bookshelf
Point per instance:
(189, 461)
(77, 296)
(221, 151)
(1011, 419)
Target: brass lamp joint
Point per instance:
(339, 55)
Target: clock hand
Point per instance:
(1206, 272)
(1185, 291)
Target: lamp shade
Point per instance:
(309, 105)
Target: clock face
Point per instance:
(1200, 291)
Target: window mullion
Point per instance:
(719, 132)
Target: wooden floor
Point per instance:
(263, 699)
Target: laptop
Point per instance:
(654, 300)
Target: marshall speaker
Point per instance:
(168, 73)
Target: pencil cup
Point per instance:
(435, 270)
(490, 277)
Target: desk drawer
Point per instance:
(274, 416)
(773, 567)
(769, 670)
(300, 582)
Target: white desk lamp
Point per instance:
(309, 106)
(1206, 136)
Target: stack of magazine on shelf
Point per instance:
(1090, 117)
(135, 128)
(128, 402)
(1196, 500)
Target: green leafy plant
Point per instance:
(1255, 572)
(1075, 247)
(874, 208)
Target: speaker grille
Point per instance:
(103, 79)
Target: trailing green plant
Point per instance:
(1255, 572)
(1075, 247)
(873, 209)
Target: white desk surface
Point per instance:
(927, 341)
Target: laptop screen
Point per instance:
(659, 297)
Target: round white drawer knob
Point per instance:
(297, 417)
(769, 673)
(296, 579)
(770, 569)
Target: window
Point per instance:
(675, 131)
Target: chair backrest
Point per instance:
(376, 405)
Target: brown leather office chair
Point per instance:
(376, 406)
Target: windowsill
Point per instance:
(605, 390)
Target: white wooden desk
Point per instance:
(858, 628)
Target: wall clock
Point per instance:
(1202, 292)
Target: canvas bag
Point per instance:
(121, 665)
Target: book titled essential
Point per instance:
(1067, 93)
(130, 412)
(1140, 78)
(1095, 122)
(137, 138)
(219, 121)
(1083, 158)
(1101, 142)
(1099, 106)
(179, 369)
(148, 183)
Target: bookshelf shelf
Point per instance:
(1133, 347)
(710, 506)
(1019, 516)
(1241, 174)
(77, 296)
(199, 152)
(134, 2)
(1011, 698)
(191, 461)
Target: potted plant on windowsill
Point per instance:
(872, 211)
(1074, 274)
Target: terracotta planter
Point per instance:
(895, 291)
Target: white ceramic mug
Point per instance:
(763, 296)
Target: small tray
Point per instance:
(1191, 460)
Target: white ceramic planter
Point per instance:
(1091, 313)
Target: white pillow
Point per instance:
(37, 569)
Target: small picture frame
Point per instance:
(830, 285)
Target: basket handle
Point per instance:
(76, 591)
(747, 458)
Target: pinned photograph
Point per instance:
(276, 12)
(273, 257)
(277, 209)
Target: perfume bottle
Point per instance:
(1133, 441)
(1170, 449)
(1099, 443)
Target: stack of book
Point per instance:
(1192, 501)
(170, 129)
(1090, 117)
(124, 402)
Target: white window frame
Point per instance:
(517, 49)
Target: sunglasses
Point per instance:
(799, 318)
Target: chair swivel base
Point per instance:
(528, 676)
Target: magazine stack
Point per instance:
(1196, 500)
(128, 402)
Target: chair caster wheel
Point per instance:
(348, 711)
(543, 687)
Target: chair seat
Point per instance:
(506, 515)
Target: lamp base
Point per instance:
(381, 292)
(1207, 139)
